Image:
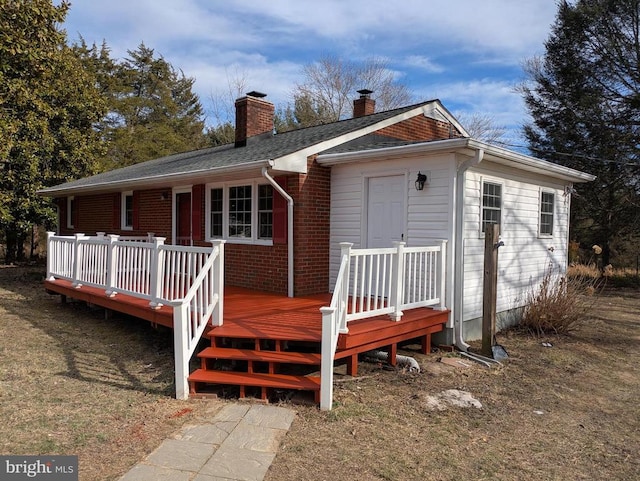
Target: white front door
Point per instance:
(386, 211)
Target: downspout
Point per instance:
(459, 249)
(289, 199)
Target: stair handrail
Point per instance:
(334, 323)
(191, 314)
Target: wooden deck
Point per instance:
(269, 341)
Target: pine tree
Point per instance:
(152, 109)
(584, 98)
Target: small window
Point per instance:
(546, 213)
(265, 211)
(71, 211)
(491, 204)
(127, 210)
(217, 205)
(240, 211)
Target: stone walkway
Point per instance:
(239, 443)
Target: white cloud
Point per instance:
(496, 99)
(423, 63)
(270, 41)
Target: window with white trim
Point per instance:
(216, 203)
(71, 211)
(127, 211)
(240, 211)
(546, 213)
(243, 213)
(491, 204)
(265, 211)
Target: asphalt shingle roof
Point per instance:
(203, 160)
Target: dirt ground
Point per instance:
(72, 382)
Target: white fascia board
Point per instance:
(295, 161)
(508, 157)
(465, 146)
(161, 180)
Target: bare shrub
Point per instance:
(559, 303)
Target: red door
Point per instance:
(183, 219)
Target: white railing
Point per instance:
(334, 323)
(191, 279)
(191, 314)
(374, 282)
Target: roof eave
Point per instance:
(154, 180)
(464, 146)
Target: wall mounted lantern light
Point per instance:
(420, 181)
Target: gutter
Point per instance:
(283, 193)
(458, 296)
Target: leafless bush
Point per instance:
(559, 303)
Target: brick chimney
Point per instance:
(254, 116)
(365, 105)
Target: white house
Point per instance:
(374, 201)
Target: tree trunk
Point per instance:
(11, 239)
(21, 240)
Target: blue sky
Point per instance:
(467, 53)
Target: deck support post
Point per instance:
(352, 365)
(156, 272)
(425, 342)
(398, 281)
(393, 352)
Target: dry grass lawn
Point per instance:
(72, 382)
(567, 412)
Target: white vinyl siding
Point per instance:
(428, 218)
(525, 256)
(522, 261)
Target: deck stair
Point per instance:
(257, 365)
(260, 356)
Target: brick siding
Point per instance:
(420, 128)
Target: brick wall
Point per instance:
(96, 214)
(154, 214)
(256, 267)
(311, 229)
(420, 128)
